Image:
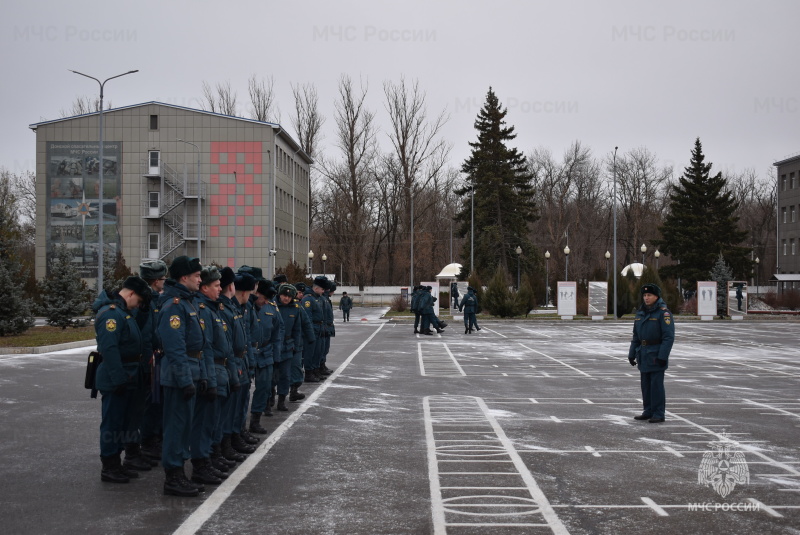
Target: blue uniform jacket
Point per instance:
(293, 336)
(470, 303)
(181, 336)
(653, 335)
(232, 316)
(311, 304)
(218, 347)
(306, 326)
(345, 303)
(271, 324)
(327, 315)
(415, 301)
(119, 341)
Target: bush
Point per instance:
(64, 294)
(399, 304)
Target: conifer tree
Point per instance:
(15, 309)
(504, 194)
(721, 273)
(701, 224)
(64, 293)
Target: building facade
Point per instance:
(176, 181)
(788, 227)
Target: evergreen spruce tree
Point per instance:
(701, 224)
(721, 273)
(498, 299)
(525, 298)
(115, 271)
(15, 310)
(504, 194)
(64, 293)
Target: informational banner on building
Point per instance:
(567, 298)
(737, 298)
(706, 299)
(598, 299)
(73, 201)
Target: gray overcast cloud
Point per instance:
(614, 73)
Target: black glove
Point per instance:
(661, 362)
(202, 386)
(211, 393)
(632, 361)
(235, 387)
(189, 391)
(121, 389)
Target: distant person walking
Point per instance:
(345, 304)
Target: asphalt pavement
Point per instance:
(524, 427)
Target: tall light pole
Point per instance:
(547, 278)
(199, 211)
(757, 266)
(472, 232)
(615, 231)
(519, 254)
(607, 255)
(310, 262)
(566, 265)
(643, 249)
(324, 259)
(657, 255)
(100, 192)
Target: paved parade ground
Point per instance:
(524, 427)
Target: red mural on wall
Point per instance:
(233, 197)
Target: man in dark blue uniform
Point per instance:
(182, 338)
(330, 329)
(414, 307)
(119, 342)
(292, 341)
(653, 335)
(271, 329)
(345, 305)
(470, 306)
(312, 304)
(249, 323)
(309, 338)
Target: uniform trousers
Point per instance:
(284, 370)
(263, 388)
(653, 395)
(178, 414)
(470, 320)
(297, 376)
(116, 414)
(203, 421)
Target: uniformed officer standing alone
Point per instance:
(653, 335)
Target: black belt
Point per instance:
(650, 342)
(317, 323)
(132, 359)
(195, 354)
(222, 361)
(241, 355)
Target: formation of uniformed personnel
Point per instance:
(470, 307)
(118, 378)
(345, 305)
(177, 373)
(653, 335)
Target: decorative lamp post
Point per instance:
(643, 249)
(566, 265)
(757, 266)
(518, 250)
(100, 191)
(547, 278)
(310, 262)
(657, 255)
(615, 232)
(607, 255)
(324, 259)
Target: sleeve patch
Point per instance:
(175, 322)
(111, 325)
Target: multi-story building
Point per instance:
(176, 181)
(788, 256)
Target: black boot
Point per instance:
(134, 460)
(267, 410)
(218, 461)
(282, 403)
(176, 484)
(247, 437)
(442, 324)
(228, 452)
(238, 444)
(201, 472)
(324, 370)
(111, 470)
(294, 395)
(416, 331)
(255, 424)
(440, 331)
(466, 330)
(151, 448)
(272, 396)
(311, 377)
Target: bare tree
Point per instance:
(221, 99)
(307, 120)
(262, 98)
(756, 212)
(83, 105)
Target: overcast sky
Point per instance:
(607, 73)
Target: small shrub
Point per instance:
(399, 304)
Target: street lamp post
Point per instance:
(657, 255)
(757, 266)
(100, 191)
(547, 278)
(199, 211)
(607, 255)
(324, 259)
(615, 231)
(566, 265)
(519, 254)
(643, 249)
(472, 231)
(310, 262)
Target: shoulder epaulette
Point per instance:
(221, 306)
(176, 300)
(112, 306)
(202, 305)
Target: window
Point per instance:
(783, 182)
(794, 250)
(793, 218)
(153, 242)
(154, 122)
(791, 180)
(783, 211)
(783, 242)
